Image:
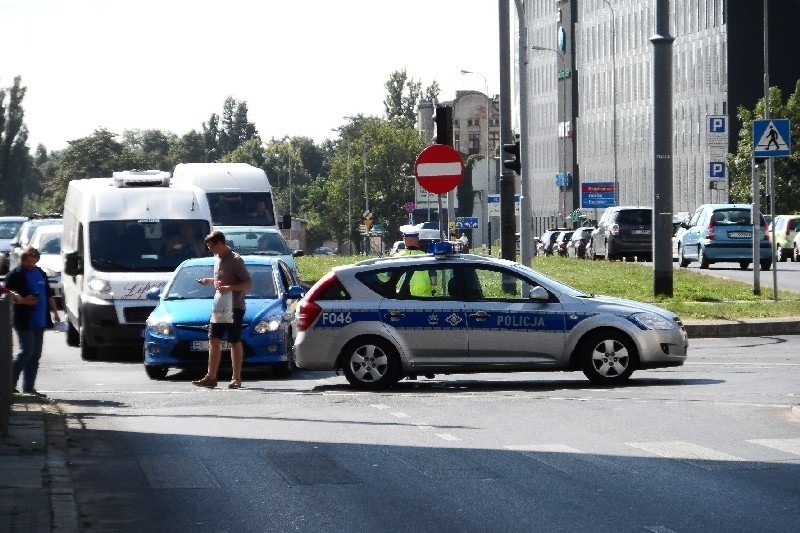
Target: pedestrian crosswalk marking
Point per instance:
(705, 458)
(784, 445)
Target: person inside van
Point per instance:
(260, 212)
(182, 241)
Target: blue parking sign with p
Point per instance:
(717, 170)
(717, 124)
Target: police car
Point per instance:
(385, 319)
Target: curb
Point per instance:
(752, 327)
(63, 505)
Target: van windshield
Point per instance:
(145, 245)
(241, 208)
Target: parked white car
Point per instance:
(47, 239)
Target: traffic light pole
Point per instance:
(508, 248)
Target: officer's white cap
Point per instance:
(409, 230)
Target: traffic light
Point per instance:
(514, 163)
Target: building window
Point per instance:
(494, 142)
(457, 141)
(474, 143)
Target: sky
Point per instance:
(301, 65)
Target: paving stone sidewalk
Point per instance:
(36, 493)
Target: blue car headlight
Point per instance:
(651, 321)
(268, 324)
(162, 328)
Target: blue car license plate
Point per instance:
(740, 234)
(202, 346)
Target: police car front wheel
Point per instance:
(608, 358)
(371, 363)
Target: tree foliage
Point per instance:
(786, 170)
(16, 165)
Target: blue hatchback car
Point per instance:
(176, 333)
(723, 233)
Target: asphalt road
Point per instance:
(788, 274)
(709, 446)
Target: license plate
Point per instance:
(640, 232)
(740, 234)
(202, 346)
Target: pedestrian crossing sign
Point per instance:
(772, 138)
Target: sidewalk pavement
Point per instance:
(36, 493)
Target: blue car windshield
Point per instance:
(184, 285)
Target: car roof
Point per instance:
(13, 219)
(248, 260)
(49, 228)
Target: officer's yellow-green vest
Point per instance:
(420, 284)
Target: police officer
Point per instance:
(422, 283)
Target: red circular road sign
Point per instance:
(439, 168)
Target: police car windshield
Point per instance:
(553, 284)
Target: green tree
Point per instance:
(15, 161)
(402, 97)
(786, 170)
(95, 156)
(373, 155)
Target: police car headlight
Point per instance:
(160, 328)
(100, 288)
(651, 321)
(267, 325)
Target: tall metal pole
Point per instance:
(614, 96)
(349, 202)
(507, 178)
(525, 209)
(770, 174)
(662, 153)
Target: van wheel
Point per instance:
(766, 264)
(88, 353)
(73, 337)
(744, 264)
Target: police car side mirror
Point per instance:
(298, 253)
(539, 294)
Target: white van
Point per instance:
(114, 251)
(238, 194)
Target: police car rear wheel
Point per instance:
(608, 358)
(371, 363)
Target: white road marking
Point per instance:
(400, 415)
(688, 452)
(447, 436)
(784, 445)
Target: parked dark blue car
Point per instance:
(176, 333)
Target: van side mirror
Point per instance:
(286, 222)
(73, 264)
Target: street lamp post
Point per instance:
(485, 201)
(614, 96)
(562, 128)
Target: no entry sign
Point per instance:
(439, 168)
